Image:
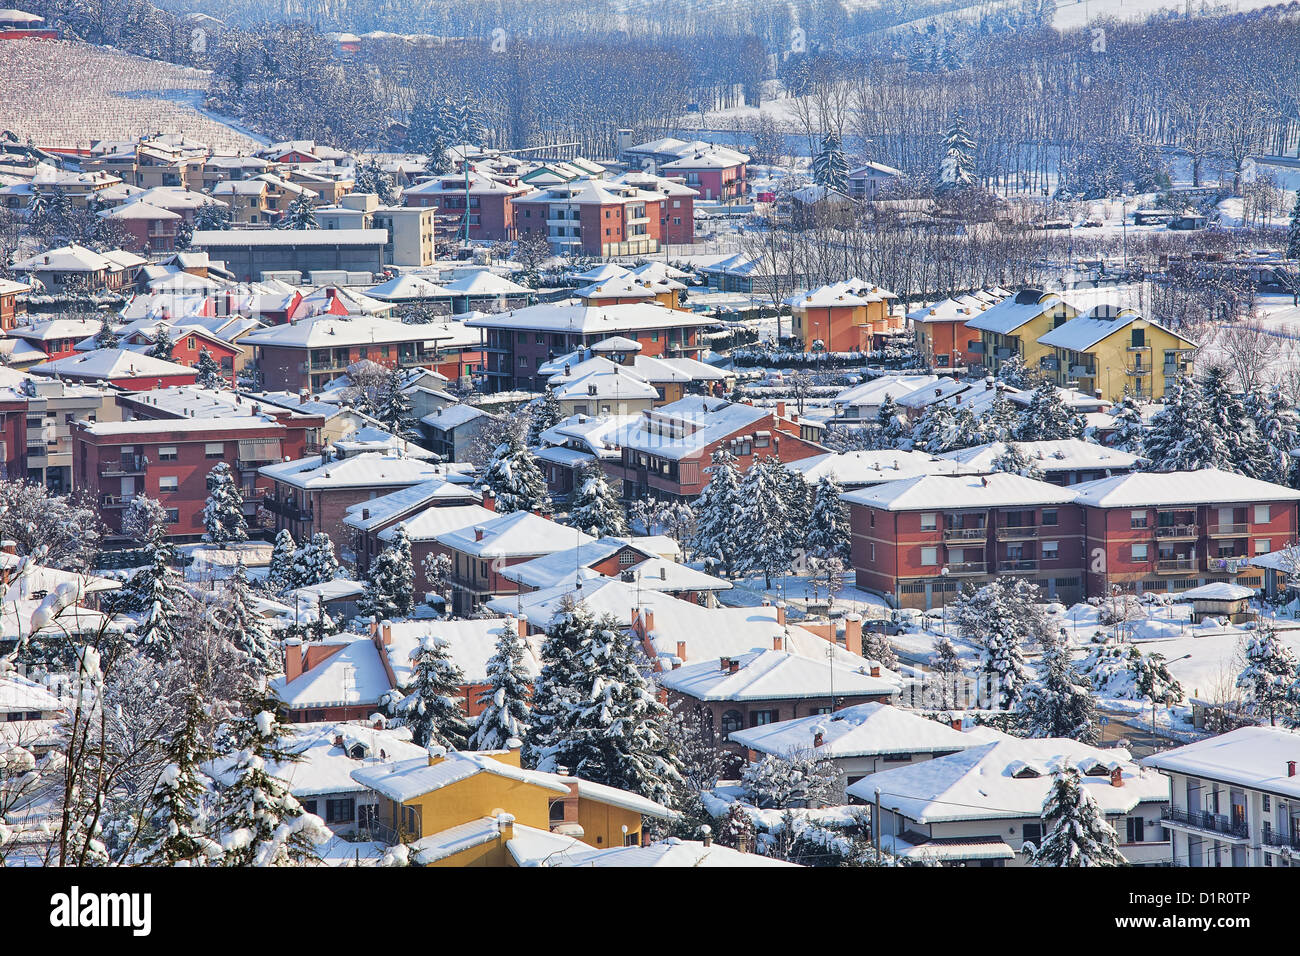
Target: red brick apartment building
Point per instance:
(714, 171)
(676, 213)
(593, 217)
(1146, 531)
(667, 451)
(491, 209)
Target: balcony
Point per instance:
(960, 568)
(1015, 532)
(1177, 532)
(1050, 364)
(126, 465)
(1018, 564)
(1235, 564)
(1229, 530)
(1137, 348)
(965, 534)
(1137, 370)
(116, 501)
(1083, 371)
(1282, 841)
(1171, 565)
(1205, 822)
(288, 510)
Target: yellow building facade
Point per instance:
(1111, 352)
(1014, 326)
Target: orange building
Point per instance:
(849, 316)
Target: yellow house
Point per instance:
(1014, 327)
(472, 809)
(1111, 351)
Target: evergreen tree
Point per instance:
(265, 825)
(161, 347)
(718, 513)
(1013, 460)
(1182, 436)
(1057, 703)
(515, 479)
(1271, 670)
(209, 371)
(957, 168)
(616, 732)
(1293, 231)
(315, 563)
(558, 686)
(596, 509)
(999, 618)
(243, 627)
(505, 701)
(1128, 425)
(431, 707)
(389, 591)
(762, 542)
(1151, 677)
(1276, 429)
(1014, 372)
(828, 527)
(936, 430)
(891, 424)
(830, 167)
(1228, 420)
(300, 215)
(107, 337)
(223, 514)
(545, 413)
(212, 216)
(281, 575)
(371, 178)
(797, 498)
(429, 133)
(1075, 831)
(155, 591)
(395, 410)
(175, 809)
(1001, 420)
(1047, 418)
(799, 778)
(946, 666)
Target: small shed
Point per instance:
(1222, 599)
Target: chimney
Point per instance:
(875, 669)
(1290, 768)
(778, 642)
(819, 736)
(9, 546)
(780, 409)
(853, 634)
(303, 396)
(681, 650)
(388, 633)
(955, 723)
(292, 658)
(521, 625)
(724, 663)
(706, 835)
(489, 500)
(478, 532)
(338, 740)
(780, 613)
(506, 825)
(374, 626)
(647, 616)
(733, 666)
(1117, 777)
(365, 514)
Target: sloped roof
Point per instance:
(940, 492)
(857, 731)
(768, 674)
(1156, 489)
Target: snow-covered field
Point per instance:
(70, 94)
(1072, 14)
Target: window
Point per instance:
(214, 449)
(1033, 833)
(1139, 552)
(1268, 803)
(1050, 516)
(556, 812)
(168, 483)
(308, 806)
(732, 721)
(173, 515)
(167, 453)
(409, 823)
(1051, 550)
(631, 839)
(626, 559)
(1136, 829)
(928, 522)
(1263, 545)
(367, 816)
(760, 718)
(1137, 519)
(340, 811)
(929, 556)
(1261, 514)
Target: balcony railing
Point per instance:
(1018, 564)
(126, 465)
(1010, 532)
(116, 501)
(1177, 531)
(289, 510)
(1274, 838)
(1228, 565)
(1209, 822)
(965, 534)
(967, 567)
(1228, 530)
(1083, 371)
(1176, 564)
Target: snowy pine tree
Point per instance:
(431, 707)
(281, 575)
(1182, 436)
(761, 538)
(558, 686)
(209, 372)
(1057, 702)
(155, 591)
(830, 167)
(957, 168)
(243, 627)
(107, 337)
(828, 526)
(1047, 418)
(718, 514)
(891, 424)
(161, 347)
(1128, 426)
(936, 430)
(176, 806)
(1013, 460)
(1293, 231)
(371, 178)
(506, 708)
(1151, 677)
(314, 562)
(544, 413)
(1271, 670)
(212, 216)
(1277, 431)
(515, 479)
(596, 509)
(1001, 420)
(1228, 420)
(264, 823)
(300, 215)
(395, 411)
(389, 591)
(946, 666)
(798, 778)
(1075, 831)
(223, 514)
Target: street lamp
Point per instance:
(943, 600)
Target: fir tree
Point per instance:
(389, 591)
(243, 627)
(891, 424)
(957, 168)
(1228, 420)
(1182, 436)
(223, 514)
(371, 178)
(281, 575)
(1271, 670)
(946, 666)
(1128, 426)
(1057, 703)
(1013, 460)
(265, 825)
(596, 509)
(557, 690)
(1001, 420)
(1047, 418)
(161, 347)
(615, 732)
(107, 337)
(175, 808)
(999, 618)
(718, 513)
(300, 215)
(1277, 431)
(155, 591)
(212, 216)
(505, 701)
(1151, 677)
(1293, 231)
(209, 372)
(395, 410)
(936, 430)
(828, 527)
(830, 168)
(544, 413)
(1075, 831)
(515, 479)
(315, 562)
(431, 707)
(762, 541)
(798, 778)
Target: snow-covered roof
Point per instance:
(447, 843)
(353, 674)
(605, 381)
(846, 294)
(484, 282)
(1083, 332)
(1255, 757)
(406, 288)
(577, 318)
(858, 468)
(367, 470)
(470, 644)
(1145, 489)
(452, 416)
(372, 439)
(873, 391)
(686, 427)
(949, 492)
(18, 695)
(769, 674)
(672, 852)
(365, 515)
(1006, 777)
(596, 434)
(260, 238)
(1066, 454)
(1010, 314)
(1218, 591)
(516, 534)
(333, 331)
(433, 522)
(112, 364)
(600, 273)
(857, 731)
(405, 780)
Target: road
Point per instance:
(1141, 742)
